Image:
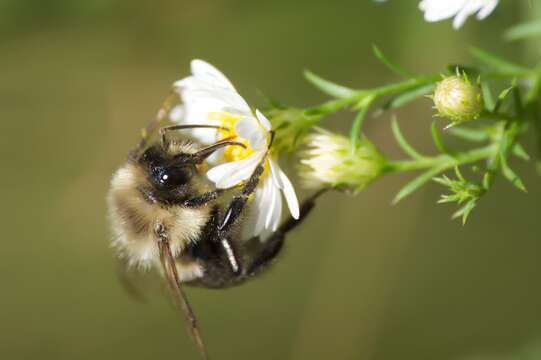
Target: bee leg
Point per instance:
(204, 198)
(237, 204)
(239, 201)
(231, 215)
(266, 251)
(173, 282)
(207, 197)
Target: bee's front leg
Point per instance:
(236, 206)
(205, 198)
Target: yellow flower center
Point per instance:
(228, 121)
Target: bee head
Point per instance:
(170, 171)
(174, 171)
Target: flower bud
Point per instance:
(331, 160)
(457, 99)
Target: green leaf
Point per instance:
(499, 64)
(355, 132)
(520, 152)
(329, 87)
(487, 96)
(510, 175)
(436, 136)
(505, 92)
(469, 134)
(408, 96)
(389, 64)
(488, 180)
(416, 183)
(501, 97)
(465, 211)
(459, 175)
(523, 31)
(402, 142)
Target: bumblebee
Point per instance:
(166, 215)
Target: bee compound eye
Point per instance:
(173, 176)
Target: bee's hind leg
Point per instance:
(267, 250)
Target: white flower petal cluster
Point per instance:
(209, 98)
(331, 160)
(437, 10)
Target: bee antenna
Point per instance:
(206, 152)
(165, 129)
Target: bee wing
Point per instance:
(179, 296)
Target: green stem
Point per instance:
(443, 162)
(364, 98)
(405, 85)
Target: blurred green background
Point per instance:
(361, 279)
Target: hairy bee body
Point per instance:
(135, 215)
(166, 215)
(137, 207)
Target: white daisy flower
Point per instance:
(437, 10)
(210, 98)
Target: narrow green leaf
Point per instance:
(465, 211)
(389, 64)
(436, 136)
(523, 31)
(488, 180)
(469, 134)
(416, 183)
(356, 128)
(459, 175)
(444, 180)
(402, 142)
(487, 96)
(408, 96)
(501, 97)
(505, 92)
(510, 175)
(329, 87)
(520, 152)
(499, 64)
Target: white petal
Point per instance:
(208, 90)
(274, 216)
(277, 213)
(460, 19)
(291, 197)
(436, 10)
(245, 127)
(248, 128)
(264, 199)
(230, 174)
(263, 119)
(204, 69)
(487, 9)
(177, 114)
(275, 173)
(274, 196)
